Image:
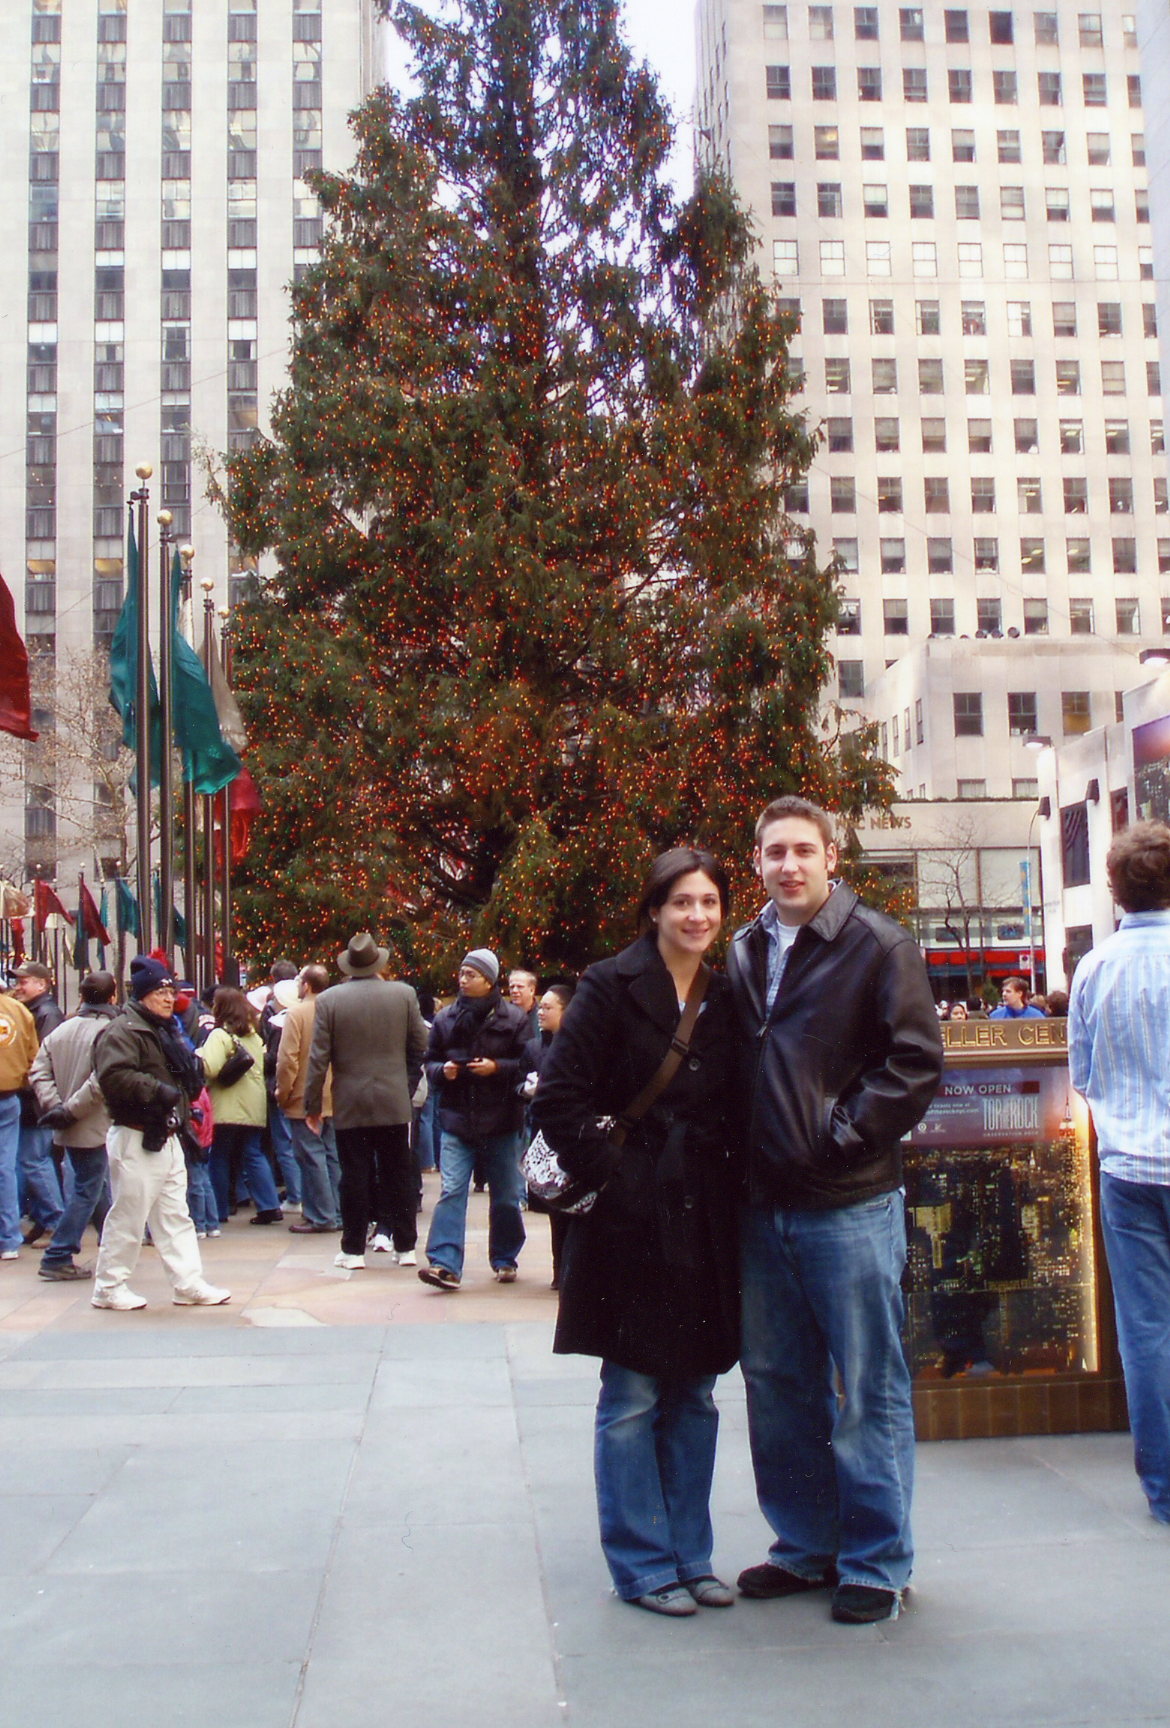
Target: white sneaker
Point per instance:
(121, 1298)
(350, 1262)
(10, 1254)
(206, 1296)
(382, 1244)
(410, 1258)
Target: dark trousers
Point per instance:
(377, 1185)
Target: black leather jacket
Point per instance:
(847, 1063)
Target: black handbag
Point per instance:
(236, 1066)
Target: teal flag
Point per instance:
(209, 762)
(124, 666)
(179, 920)
(81, 935)
(128, 920)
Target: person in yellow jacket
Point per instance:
(18, 1047)
(240, 1109)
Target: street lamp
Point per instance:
(207, 583)
(140, 497)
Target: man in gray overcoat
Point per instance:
(370, 1031)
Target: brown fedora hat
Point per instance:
(363, 957)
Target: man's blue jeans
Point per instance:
(10, 1236)
(822, 1300)
(91, 1170)
(1135, 1220)
(320, 1171)
(500, 1158)
(284, 1151)
(653, 1461)
(39, 1179)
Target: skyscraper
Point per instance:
(144, 291)
(955, 201)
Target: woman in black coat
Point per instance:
(649, 1276)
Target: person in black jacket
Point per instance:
(649, 1276)
(842, 1057)
(475, 1057)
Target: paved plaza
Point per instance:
(349, 1500)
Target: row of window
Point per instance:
(969, 261)
(1076, 707)
(1005, 87)
(937, 495)
(1070, 434)
(985, 556)
(956, 26)
(1068, 376)
(920, 204)
(1054, 145)
(973, 317)
(989, 617)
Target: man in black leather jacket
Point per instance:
(844, 1055)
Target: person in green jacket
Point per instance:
(240, 1109)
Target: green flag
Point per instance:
(124, 667)
(128, 919)
(208, 761)
(180, 923)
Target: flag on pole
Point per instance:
(231, 721)
(124, 667)
(209, 761)
(129, 922)
(90, 926)
(245, 806)
(47, 905)
(104, 921)
(15, 699)
(180, 923)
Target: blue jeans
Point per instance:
(90, 1168)
(284, 1151)
(834, 1475)
(10, 1236)
(500, 1157)
(653, 1461)
(39, 1180)
(320, 1171)
(233, 1139)
(1135, 1219)
(202, 1203)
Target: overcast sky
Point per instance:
(663, 33)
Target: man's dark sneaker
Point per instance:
(859, 1604)
(65, 1273)
(762, 1583)
(441, 1277)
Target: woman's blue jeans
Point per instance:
(822, 1303)
(233, 1138)
(654, 1458)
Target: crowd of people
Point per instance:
(728, 1184)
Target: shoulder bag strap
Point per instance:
(672, 1061)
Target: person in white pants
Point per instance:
(148, 1076)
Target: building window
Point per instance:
(775, 23)
(921, 201)
(988, 617)
(886, 436)
(930, 377)
(865, 23)
(970, 260)
(1128, 618)
(1089, 30)
(1113, 377)
(839, 435)
(892, 554)
(842, 493)
(820, 23)
(973, 318)
(975, 377)
(1125, 557)
(778, 83)
(1097, 146)
(1028, 495)
(834, 317)
(849, 618)
(1008, 146)
(979, 437)
(968, 713)
(924, 258)
(914, 86)
(942, 617)
(959, 84)
(962, 145)
(1004, 87)
(927, 317)
(837, 377)
(832, 257)
(1023, 713)
(1093, 86)
(828, 199)
(1031, 554)
(1068, 377)
(986, 553)
(1011, 203)
(785, 259)
(869, 83)
(895, 618)
(1076, 495)
(1101, 204)
(1153, 378)
(1027, 436)
(936, 493)
(780, 146)
(875, 200)
(885, 377)
(1120, 495)
(1019, 318)
(983, 495)
(1052, 148)
(1035, 618)
(1075, 712)
(845, 553)
(934, 437)
(1074, 846)
(826, 143)
(1080, 617)
(1048, 89)
(824, 83)
(967, 203)
(851, 680)
(1023, 375)
(955, 27)
(877, 257)
(889, 493)
(917, 144)
(1015, 261)
(881, 317)
(940, 556)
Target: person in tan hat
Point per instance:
(370, 1032)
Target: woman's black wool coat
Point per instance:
(650, 1277)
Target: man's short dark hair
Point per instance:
(1138, 864)
(282, 969)
(316, 978)
(98, 987)
(791, 805)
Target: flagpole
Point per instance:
(166, 777)
(190, 825)
(208, 586)
(141, 497)
(231, 973)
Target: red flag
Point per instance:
(47, 904)
(18, 941)
(244, 807)
(15, 701)
(95, 930)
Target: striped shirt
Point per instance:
(1119, 1046)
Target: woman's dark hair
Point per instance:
(563, 992)
(233, 1011)
(665, 872)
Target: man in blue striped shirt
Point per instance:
(1119, 1059)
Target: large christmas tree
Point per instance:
(539, 613)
